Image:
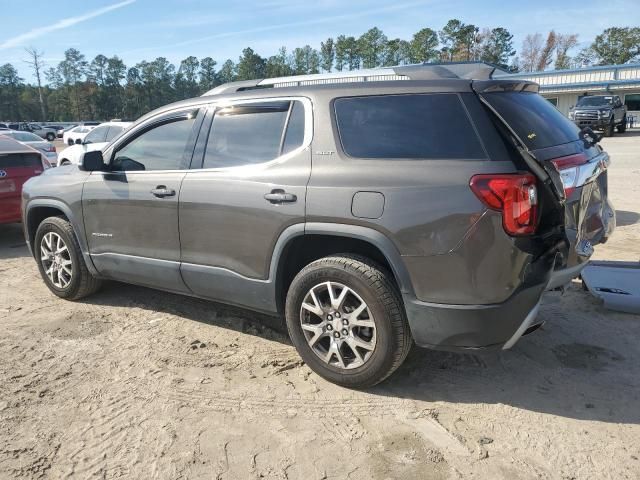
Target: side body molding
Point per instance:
(260, 294)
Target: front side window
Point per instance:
(160, 148)
(254, 133)
(96, 135)
(418, 126)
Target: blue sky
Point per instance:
(144, 29)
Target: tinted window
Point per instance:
(538, 123)
(248, 134)
(406, 126)
(113, 132)
(161, 148)
(20, 160)
(97, 135)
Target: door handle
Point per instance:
(162, 191)
(280, 196)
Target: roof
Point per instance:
(425, 71)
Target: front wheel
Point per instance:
(346, 319)
(60, 260)
(51, 137)
(610, 129)
(623, 126)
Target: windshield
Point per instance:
(536, 121)
(595, 101)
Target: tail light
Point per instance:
(51, 148)
(515, 195)
(45, 163)
(569, 169)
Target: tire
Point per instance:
(610, 130)
(80, 282)
(64, 161)
(387, 338)
(623, 126)
(70, 142)
(51, 137)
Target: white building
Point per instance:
(564, 87)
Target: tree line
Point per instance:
(104, 87)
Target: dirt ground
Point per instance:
(136, 383)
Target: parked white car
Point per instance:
(76, 134)
(97, 139)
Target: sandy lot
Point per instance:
(135, 383)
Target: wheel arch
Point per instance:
(39, 209)
(318, 240)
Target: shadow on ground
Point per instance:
(12, 244)
(553, 371)
(203, 311)
(624, 218)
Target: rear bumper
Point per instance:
(10, 211)
(483, 327)
(464, 327)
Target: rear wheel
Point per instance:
(623, 126)
(346, 319)
(64, 161)
(60, 260)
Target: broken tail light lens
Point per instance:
(515, 195)
(569, 167)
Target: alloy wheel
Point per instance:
(338, 325)
(56, 260)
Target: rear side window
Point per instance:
(254, 133)
(431, 126)
(538, 123)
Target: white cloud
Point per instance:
(61, 24)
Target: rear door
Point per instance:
(576, 166)
(131, 210)
(15, 169)
(248, 184)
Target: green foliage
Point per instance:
(104, 88)
(617, 45)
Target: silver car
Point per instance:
(34, 141)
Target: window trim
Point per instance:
(163, 118)
(342, 151)
(201, 149)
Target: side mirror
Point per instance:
(92, 161)
(78, 142)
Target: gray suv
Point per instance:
(428, 204)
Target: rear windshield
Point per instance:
(425, 126)
(535, 120)
(20, 160)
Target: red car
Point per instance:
(18, 163)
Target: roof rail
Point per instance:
(424, 71)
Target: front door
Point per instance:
(255, 165)
(131, 210)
